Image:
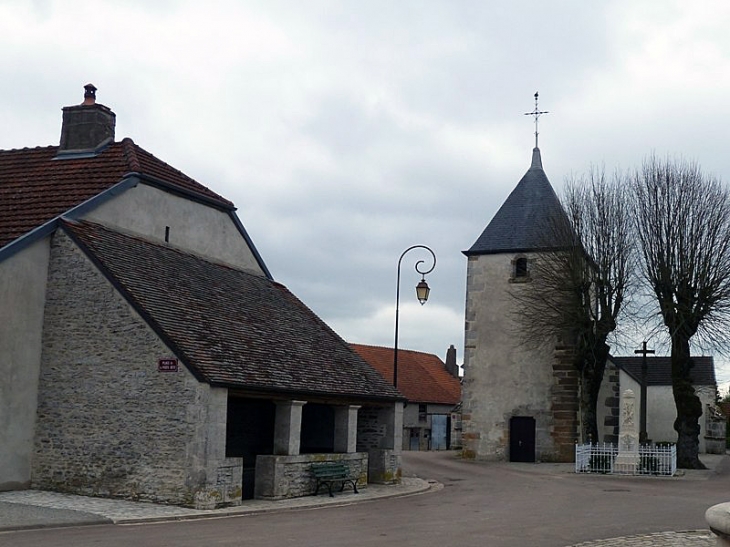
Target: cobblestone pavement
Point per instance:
(127, 512)
(695, 538)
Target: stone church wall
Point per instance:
(109, 423)
(502, 377)
(565, 404)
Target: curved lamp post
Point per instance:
(422, 291)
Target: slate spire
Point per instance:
(519, 225)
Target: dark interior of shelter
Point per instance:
(249, 433)
(318, 429)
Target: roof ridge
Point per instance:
(129, 149)
(28, 148)
(390, 348)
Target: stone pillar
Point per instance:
(224, 475)
(384, 462)
(346, 428)
(393, 417)
(288, 427)
(627, 460)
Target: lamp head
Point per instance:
(422, 290)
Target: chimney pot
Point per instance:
(89, 94)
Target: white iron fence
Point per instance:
(601, 458)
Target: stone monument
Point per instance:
(627, 461)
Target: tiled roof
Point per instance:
(520, 224)
(422, 377)
(36, 188)
(228, 326)
(659, 370)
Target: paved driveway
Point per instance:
(485, 504)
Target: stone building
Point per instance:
(518, 403)
(625, 373)
(432, 389)
(147, 353)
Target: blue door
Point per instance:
(438, 431)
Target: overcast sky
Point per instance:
(347, 131)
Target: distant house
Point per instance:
(624, 373)
(146, 351)
(432, 389)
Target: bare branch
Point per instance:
(683, 227)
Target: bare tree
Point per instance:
(683, 226)
(577, 290)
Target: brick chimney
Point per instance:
(87, 127)
(450, 363)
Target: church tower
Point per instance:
(519, 403)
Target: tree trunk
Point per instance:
(594, 366)
(689, 406)
(588, 417)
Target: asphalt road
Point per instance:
(481, 504)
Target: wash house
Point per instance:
(148, 351)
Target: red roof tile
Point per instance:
(422, 377)
(36, 188)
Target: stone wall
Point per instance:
(503, 378)
(564, 406)
(716, 430)
(370, 429)
(22, 299)
(379, 433)
(280, 477)
(196, 228)
(108, 423)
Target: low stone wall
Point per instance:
(281, 477)
(223, 488)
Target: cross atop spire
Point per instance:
(536, 113)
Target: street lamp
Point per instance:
(422, 291)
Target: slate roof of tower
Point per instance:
(422, 377)
(229, 327)
(659, 370)
(36, 188)
(520, 224)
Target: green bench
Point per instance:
(333, 473)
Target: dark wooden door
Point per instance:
(522, 439)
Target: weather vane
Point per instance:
(536, 113)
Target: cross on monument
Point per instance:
(537, 112)
(643, 437)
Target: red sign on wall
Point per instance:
(167, 365)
